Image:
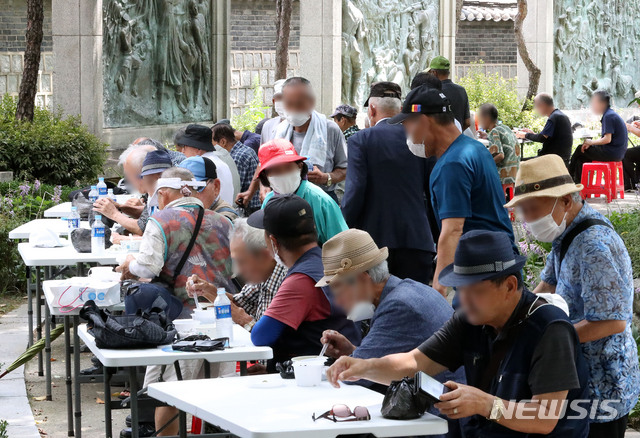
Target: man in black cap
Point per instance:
(466, 193)
(300, 312)
(386, 189)
(521, 354)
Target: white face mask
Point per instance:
(285, 184)
(297, 119)
(416, 149)
(279, 107)
(361, 311)
(276, 256)
(546, 229)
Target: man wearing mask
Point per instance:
(313, 136)
(387, 188)
(285, 172)
(300, 312)
(466, 193)
(268, 130)
(590, 268)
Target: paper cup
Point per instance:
(308, 371)
(205, 316)
(186, 327)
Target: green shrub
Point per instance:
(53, 148)
(627, 225)
(254, 113)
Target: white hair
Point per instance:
(576, 197)
(135, 154)
(379, 273)
(252, 237)
(386, 104)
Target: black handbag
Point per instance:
(142, 330)
(403, 401)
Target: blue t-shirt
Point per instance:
(464, 184)
(613, 124)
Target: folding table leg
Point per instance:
(107, 402)
(39, 318)
(133, 381)
(76, 376)
(243, 368)
(182, 421)
(67, 355)
(29, 308)
(47, 352)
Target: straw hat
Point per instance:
(543, 176)
(348, 253)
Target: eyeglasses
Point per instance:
(341, 413)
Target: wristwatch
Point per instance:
(497, 410)
(329, 181)
(248, 326)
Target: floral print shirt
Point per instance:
(503, 141)
(596, 280)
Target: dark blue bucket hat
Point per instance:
(480, 256)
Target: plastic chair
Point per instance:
(616, 181)
(197, 426)
(596, 179)
(509, 193)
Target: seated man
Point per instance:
(402, 312)
(285, 172)
(204, 169)
(520, 353)
(503, 144)
(590, 268)
(300, 312)
(611, 146)
(631, 160)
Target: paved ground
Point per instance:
(630, 202)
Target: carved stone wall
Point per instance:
(595, 47)
(386, 40)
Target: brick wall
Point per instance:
(488, 41)
(253, 26)
(13, 25)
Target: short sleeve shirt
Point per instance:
(596, 280)
(503, 141)
(247, 161)
(457, 95)
(613, 124)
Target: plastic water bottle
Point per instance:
(97, 236)
(73, 221)
(224, 323)
(93, 194)
(102, 188)
(111, 195)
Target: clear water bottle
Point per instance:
(73, 221)
(97, 236)
(111, 195)
(102, 188)
(93, 194)
(224, 323)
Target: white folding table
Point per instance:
(242, 350)
(59, 226)
(268, 406)
(64, 209)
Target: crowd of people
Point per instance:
(325, 233)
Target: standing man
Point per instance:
(503, 144)
(345, 117)
(466, 193)
(268, 128)
(590, 268)
(387, 187)
(440, 67)
(556, 136)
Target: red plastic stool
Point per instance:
(596, 179)
(616, 182)
(509, 193)
(197, 426)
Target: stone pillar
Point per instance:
(220, 60)
(321, 50)
(538, 35)
(448, 23)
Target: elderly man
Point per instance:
(268, 129)
(285, 172)
(556, 136)
(503, 144)
(440, 67)
(466, 193)
(300, 312)
(590, 268)
(197, 140)
(204, 169)
(391, 208)
(520, 353)
(345, 117)
(176, 157)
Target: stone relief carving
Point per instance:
(595, 47)
(385, 40)
(156, 61)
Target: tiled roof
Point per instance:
(489, 10)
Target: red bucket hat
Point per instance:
(276, 152)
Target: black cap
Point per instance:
(196, 136)
(422, 100)
(284, 216)
(384, 89)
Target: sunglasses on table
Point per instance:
(342, 413)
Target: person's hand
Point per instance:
(125, 274)
(636, 123)
(346, 369)
(339, 345)
(527, 131)
(521, 134)
(132, 207)
(317, 177)
(464, 401)
(243, 198)
(483, 135)
(239, 316)
(105, 207)
(256, 369)
(440, 288)
(586, 145)
(196, 286)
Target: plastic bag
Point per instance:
(400, 401)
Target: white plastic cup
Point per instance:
(205, 316)
(186, 327)
(308, 372)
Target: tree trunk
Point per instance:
(459, 4)
(532, 68)
(29, 84)
(283, 28)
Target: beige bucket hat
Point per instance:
(545, 176)
(348, 253)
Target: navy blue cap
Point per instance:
(156, 162)
(196, 136)
(285, 216)
(422, 100)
